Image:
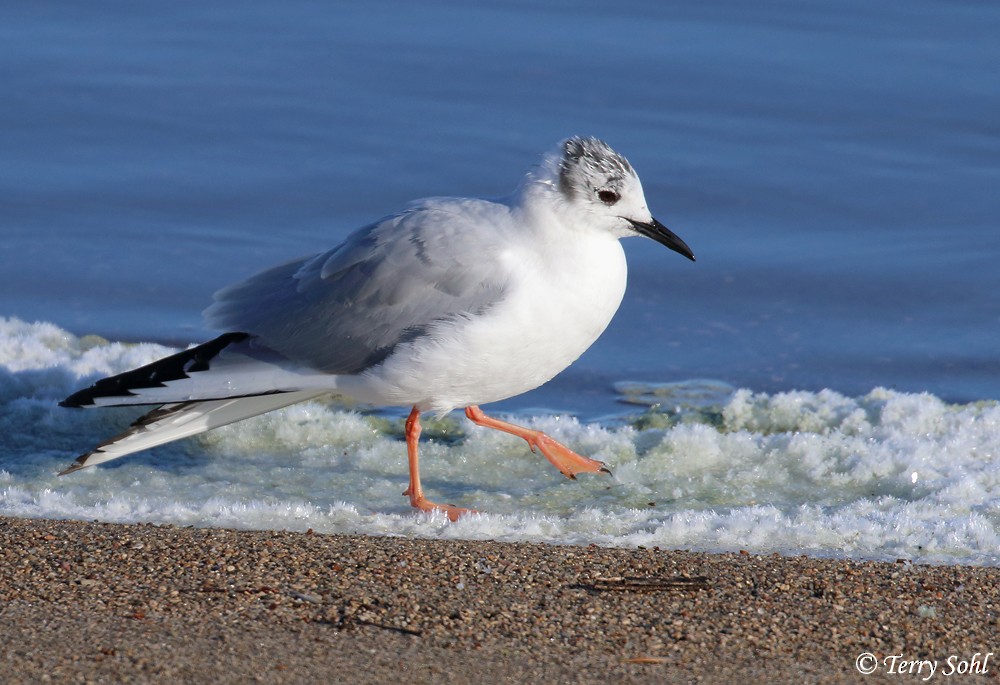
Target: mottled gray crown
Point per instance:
(588, 165)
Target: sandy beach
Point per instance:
(102, 603)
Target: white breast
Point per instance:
(560, 300)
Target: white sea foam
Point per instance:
(883, 476)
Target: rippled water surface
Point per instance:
(833, 165)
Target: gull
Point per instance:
(450, 303)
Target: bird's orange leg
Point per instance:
(563, 458)
(415, 491)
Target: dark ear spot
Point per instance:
(607, 196)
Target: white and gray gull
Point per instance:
(451, 303)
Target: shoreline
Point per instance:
(148, 603)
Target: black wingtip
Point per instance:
(80, 463)
(174, 367)
(79, 399)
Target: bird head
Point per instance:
(598, 182)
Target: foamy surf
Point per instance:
(697, 465)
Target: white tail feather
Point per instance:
(182, 420)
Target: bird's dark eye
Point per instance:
(608, 197)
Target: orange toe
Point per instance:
(451, 511)
(563, 458)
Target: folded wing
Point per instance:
(345, 310)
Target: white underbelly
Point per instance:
(555, 312)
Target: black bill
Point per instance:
(663, 235)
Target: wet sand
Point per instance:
(89, 602)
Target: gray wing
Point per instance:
(347, 309)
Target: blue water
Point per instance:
(834, 165)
